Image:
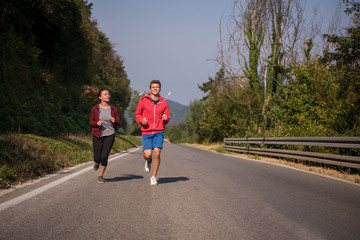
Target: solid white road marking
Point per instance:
(35, 192)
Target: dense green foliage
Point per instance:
(48, 51)
(317, 97)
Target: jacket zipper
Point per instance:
(154, 118)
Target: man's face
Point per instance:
(155, 89)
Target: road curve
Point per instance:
(201, 195)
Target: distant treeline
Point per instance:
(50, 50)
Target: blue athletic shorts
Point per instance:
(151, 141)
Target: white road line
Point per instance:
(35, 192)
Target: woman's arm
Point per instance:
(93, 119)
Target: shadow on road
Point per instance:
(123, 178)
(173, 179)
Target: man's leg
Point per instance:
(148, 159)
(148, 155)
(147, 141)
(158, 145)
(156, 162)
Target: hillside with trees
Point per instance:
(50, 51)
(53, 60)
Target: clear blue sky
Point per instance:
(170, 40)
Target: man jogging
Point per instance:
(153, 114)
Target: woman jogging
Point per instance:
(153, 114)
(104, 119)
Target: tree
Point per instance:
(174, 134)
(48, 51)
(262, 40)
(347, 48)
(345, 62)
(208, 87)
(193, 118)
(134, 128)
(223, 112)
(322, 96)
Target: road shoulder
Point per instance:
(330, 173)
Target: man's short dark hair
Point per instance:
(155, 82)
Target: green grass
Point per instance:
(221, 150)
(27, 156)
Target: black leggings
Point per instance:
(102, 147)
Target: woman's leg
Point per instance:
(108, 142)
(97, 147)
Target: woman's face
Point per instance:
(104, 96)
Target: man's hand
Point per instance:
(99, 123)
(112, 119)
(164, 117)
(144, 121)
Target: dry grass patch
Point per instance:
(211, 147)
(354, 178)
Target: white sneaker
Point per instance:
(153, 181)
(147, 166)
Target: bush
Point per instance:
(7, 175)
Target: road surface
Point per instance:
(201, 195)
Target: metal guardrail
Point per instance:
(233, 144)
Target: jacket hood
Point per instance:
(147, 95)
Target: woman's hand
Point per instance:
(99, 123)
(112, 119)
(164, 117)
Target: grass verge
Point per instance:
(354, 178)
(28, 156)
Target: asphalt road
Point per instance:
(201, 195)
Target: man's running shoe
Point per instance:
(96, 166)
(101, 179)
(147, 166)
(153, 181)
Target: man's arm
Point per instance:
(166, 115)
(138, 114)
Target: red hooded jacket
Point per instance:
(153, 113)
(94, 118)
